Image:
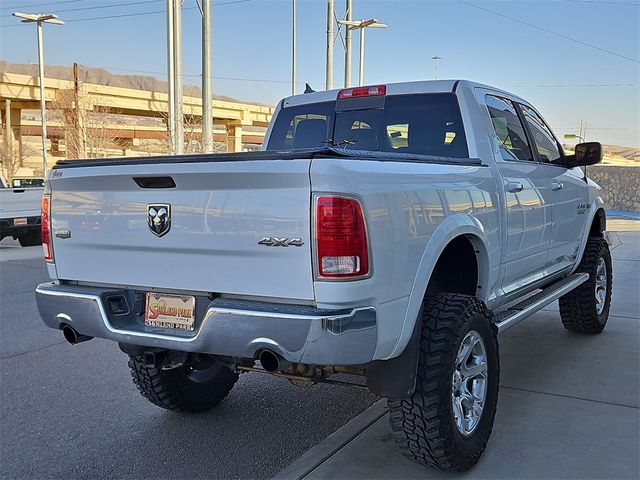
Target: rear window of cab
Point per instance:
(426, 124)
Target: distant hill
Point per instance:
(628, 153)
(100, 76)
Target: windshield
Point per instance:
(427, 124)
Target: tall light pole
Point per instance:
(293, 47)
(39, 19)
(347, 46)
(435, 59)
(171, 74)
(177, 55)
(207, 91)
(362, 25)
(329, 74)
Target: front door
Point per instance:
(568, 194)
(527, 197)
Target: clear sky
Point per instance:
(565, 78)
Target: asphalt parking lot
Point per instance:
(568, 406)
(73, 412)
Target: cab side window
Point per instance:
(546, 144)
(509, 129)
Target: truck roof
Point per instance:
(399, 88)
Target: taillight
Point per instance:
(46, 228)
(341, 238)
(357, 92)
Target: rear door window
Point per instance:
(509, 129)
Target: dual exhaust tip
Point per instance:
(72, 336)
(272, 362)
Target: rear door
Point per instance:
(528, 198)
(234, 227)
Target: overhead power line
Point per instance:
(137, 14)
(602, 2)
(113, 5)
(38, 4)
(493, 12)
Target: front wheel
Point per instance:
(447, 422)
(195, 388)
(586, 308)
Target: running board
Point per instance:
(513, 315)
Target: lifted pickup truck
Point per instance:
(388, 231)
(20, 214)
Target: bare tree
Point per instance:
(90, 129)
(9, 160)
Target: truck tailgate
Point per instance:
(219, 211)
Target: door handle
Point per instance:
(555, 186)
(514, 187)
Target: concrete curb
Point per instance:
(316, 456)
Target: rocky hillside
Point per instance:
(101, 76)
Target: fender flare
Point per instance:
(452, 227)
(596, 208)
(395, 376)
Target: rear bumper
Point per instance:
(226, 327)
(8, 229)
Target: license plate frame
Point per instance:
(175, 312)
(20, 222)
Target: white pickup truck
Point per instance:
(388, 231)
(20, 213)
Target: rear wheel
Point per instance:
(586, 308)
(30, 239)
(447, 422)
(195, 388)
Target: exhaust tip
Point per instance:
(269, 361)
(72, 336)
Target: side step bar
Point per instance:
(514, 314)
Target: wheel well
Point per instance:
(599, 224)
(456, 270)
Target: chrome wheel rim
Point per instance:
(469, 383)
(601, 285)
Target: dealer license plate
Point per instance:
(170, 311)
(19, 221)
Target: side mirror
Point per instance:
(588, 153)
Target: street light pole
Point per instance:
(207, 79)
(177, 54)
(361, 25)
(361, 66)
(171, 73)
(347, 46)
(293, 47)
(435, 59)
(39, 20)
(329, 79)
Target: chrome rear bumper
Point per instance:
(226, 327)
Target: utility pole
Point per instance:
(207, 80)
(177, 53)
(39, 20)
(293, 47)
(171, 67)
(329, 79)
(435, 59)
(347, 45)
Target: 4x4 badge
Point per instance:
(159, 218)
(281, 242)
